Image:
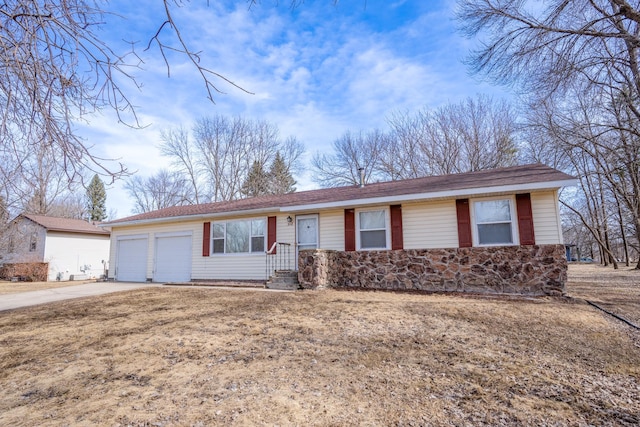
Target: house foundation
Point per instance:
(535, 270)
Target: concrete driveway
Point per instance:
(26, 299)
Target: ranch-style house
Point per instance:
(492, 231)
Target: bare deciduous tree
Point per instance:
(472, 135)
(218, 155)
(55, 69)
(177, 145)
(577, 62)
(352, 152)
(162, 190)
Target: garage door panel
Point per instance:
(132, 260)
(173, 259)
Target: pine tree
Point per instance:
(280, 179)
(256, 183)
(96, 200)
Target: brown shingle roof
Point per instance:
(53, 223)
(516, 175)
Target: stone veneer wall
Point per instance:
(524, 270)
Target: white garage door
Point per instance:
(132, 260)
(173, 259)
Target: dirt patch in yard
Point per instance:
(200, 357)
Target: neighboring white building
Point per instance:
(72, 247)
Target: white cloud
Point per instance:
(316, 72)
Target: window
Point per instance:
(32, 243)
(494, 222)
(244, 236)
(218, 237)
(372, 229)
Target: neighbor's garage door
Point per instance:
(132, 260)
(173, 259)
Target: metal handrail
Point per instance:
(270, 251)
(278, 257)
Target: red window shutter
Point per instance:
(206, 239)
(525, 219)
(397, 241)
(349, 230)
(271, 232)
(464, 223)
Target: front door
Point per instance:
(306, 232)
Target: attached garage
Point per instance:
(173, 258)
(131, 264)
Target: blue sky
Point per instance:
(315, 71)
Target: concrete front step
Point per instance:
(283, 280)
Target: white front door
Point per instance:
(306, 232)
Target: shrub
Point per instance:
(25, 271)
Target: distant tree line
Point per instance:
(475, 134)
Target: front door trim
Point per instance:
(307, 245)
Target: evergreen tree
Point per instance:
(96, 200)
(256, 183)
(280, 179)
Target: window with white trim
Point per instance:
(494, 222)
(239, 236)
(372, 229)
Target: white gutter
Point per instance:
(552, 185)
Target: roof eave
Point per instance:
(466, 192)
(194, 217)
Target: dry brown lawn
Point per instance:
(199, 357)
(617, 291)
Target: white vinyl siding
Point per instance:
(69, 253)
(285, 232)
(546, 218)
(230, 266)
(430, 225)
(332, 230)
